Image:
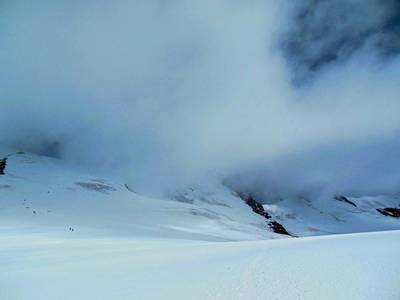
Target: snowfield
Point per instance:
(354, 266)
(69, 235)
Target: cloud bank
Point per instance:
(164, 92)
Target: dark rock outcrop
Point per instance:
(390, 211)
(129, 188)
(259, 209)
(345, 199)
(255, 206)
(278, 228)
(96, 186)
(3, 163)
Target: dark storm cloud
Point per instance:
(326, 32)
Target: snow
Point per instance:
(41, 194)
(304, 217)
(201, 243)
(355, 266)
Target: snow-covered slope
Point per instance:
(355, 266)
(41, 194)
(65, 234)
(306, 217)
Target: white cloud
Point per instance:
(161, 92)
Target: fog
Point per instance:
(165, 93)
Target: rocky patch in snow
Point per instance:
(96, 186)
(3, 163)
(345, 199)
(390, 211)
(259, 209)
(255, 206)
(278, 228)
(130, 189)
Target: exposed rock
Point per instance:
(259, 209)
(390, 211)
(3, 163)
(278, 228)
(129, 188)
(345, 199)
(255, 206)
(98, 187)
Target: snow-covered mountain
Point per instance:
(42, 193)
(199, 149)
(65, 234)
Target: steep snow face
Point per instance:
(354, 266)
(41, 194)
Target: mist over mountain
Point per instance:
(162, 93)
(199, 149)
